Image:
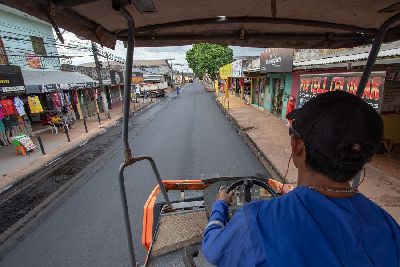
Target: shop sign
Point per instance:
(116, 77)
(11, 79)
(137, 78)
(12, 89)
(312, 85)
(393, 76)
(46, 88)
(225, 71)
(276, 60)
(33, 61)
(64, 86)
(237, 69)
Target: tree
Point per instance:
(208, 58)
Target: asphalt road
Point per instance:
(189, 137)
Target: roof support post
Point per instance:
(127, 81)
(125, 129)
(129, 159)
(373, 54)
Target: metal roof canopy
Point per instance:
(257, 23)
(37, 77)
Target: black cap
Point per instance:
(336, 119)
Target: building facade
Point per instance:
(26, 41)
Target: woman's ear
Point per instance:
(298, 151)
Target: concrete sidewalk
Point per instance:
(14, 168)
(269, 134)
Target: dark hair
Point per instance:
(349, 161)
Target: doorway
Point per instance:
(277, 90)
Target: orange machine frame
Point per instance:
(182, 185)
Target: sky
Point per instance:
(170, 52)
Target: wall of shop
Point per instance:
(16, 29)
(269, 92)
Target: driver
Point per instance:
(323, 222)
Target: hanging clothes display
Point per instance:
(3, 136)
(34, 104)
(19, 106)
(8, 106)
(56, 99)
(83, 104)
(2, 112)
(76, 105)
(91, 102)
(62, 98)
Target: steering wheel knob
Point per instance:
(248, 182)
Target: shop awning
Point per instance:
(11, 81)
(42, 81)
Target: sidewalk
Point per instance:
(269, 134)
(13, 167)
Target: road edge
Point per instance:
(262, 158)
(18, 232)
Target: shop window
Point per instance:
(38, 46)
(3, 55)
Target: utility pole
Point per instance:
(172, 71)
(102, 90)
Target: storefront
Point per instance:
(237, 78)
(114, 91)
(276, 64)
(258, 90)
(15, 127)
(390, 111)
(58, 92)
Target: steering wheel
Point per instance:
(248, 184)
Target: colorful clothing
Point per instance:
(8, 107)
(2, 127)
(19, 106)
(2, 111)
(56, 99)
(10, 121)
(34, 104)
(55, 120)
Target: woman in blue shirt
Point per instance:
(323, 222)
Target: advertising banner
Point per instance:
(33, 61)
(11, 79)
(237, 69)
(276, 60)
(312, 85)
(117, 77)
(137, 78)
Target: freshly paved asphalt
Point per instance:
(189, 138)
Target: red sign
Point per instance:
(312, 85)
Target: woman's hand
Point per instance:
(223, 195)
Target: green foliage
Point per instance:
(208, 58)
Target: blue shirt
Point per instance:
(303, 228)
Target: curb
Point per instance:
(33, 218)
(10, 181)
(267, 164)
